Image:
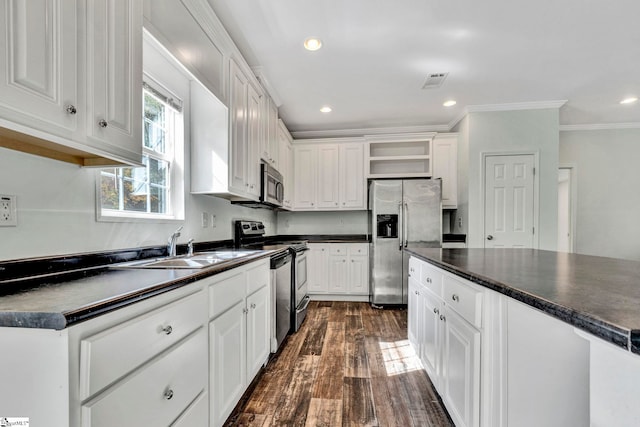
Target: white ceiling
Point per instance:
(377, 53)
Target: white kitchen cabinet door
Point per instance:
(352, 181)
(271, 144)
(254, 136)
(318, 268)
(338, 274)
(445, 166)
(238, 116)
(328, 177)
(258, 328)
(460, 388)
(359, 275)
(430, 335)
(38, 77)
(413, 314)
(285, 163)
(114, 75)
(305, 165)
(227, 341)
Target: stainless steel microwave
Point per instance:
(271, 186)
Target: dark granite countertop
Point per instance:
(56, 301)
(326, 238)
(596, 294)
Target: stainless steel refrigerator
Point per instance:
(402, 213)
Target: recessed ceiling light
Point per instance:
(449, 103)
(630, 100)
(325, 109)
(312, 44)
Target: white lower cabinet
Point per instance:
(445, 334)
(182, 358)
(238, 334)
(338, 270)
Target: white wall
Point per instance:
(56, 212)
(511, 131)
(607, 172)
(460, 218)
(346, 222)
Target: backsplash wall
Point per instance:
(341, 222)
(56, 213)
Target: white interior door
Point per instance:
(509, 201)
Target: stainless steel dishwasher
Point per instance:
(280, 298)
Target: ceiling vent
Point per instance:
(434, 80)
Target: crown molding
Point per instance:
(344, 133)
(259, 73)
(535, 105)
(458, 118)
(601, 126)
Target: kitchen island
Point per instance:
(551, 321)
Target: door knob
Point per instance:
(489, 237)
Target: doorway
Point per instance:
(509, 201)
(566, 210)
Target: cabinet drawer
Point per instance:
(226, 293)
(258, 276)
(464, 298)
(359, 249)
(431, 278)
(111, 354)
(338, 249)
(156, 394)
(196, 415)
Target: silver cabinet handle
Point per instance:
(167, 329)
(455, 297)
(71, 109)
(489, 237)
(351, 260)
(336, 203)
(245, 310)
(344, 260)
(436, 311)
(168, 394)
(428, 279)
(102, 123)
(253, 306)
(444, 319)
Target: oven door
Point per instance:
(301, 297)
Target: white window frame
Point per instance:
(176, 179)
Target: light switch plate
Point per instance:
(8, 211)
(205, 220)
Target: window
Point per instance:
(154, 192)
(146, 192)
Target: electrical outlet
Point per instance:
(213, 221)
(205, 219)
(8, 211)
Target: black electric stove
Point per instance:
(251, 235)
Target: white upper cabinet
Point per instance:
(71, 80)
(254, 135)
(285, 163)
(269, 147)
(328, 178)
(40, 56)
(332, 176)
(305, 165)
(352, 181)
(114, 75)
(445, 166)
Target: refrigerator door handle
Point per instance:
(400, 235)
(405, 220)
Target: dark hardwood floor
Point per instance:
(349, 365)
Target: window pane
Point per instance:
(158, 171)
(109, 189)
(154, 123)
(134, 200)
(158, 199)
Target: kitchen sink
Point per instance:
(195, 261)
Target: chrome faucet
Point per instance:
(171, 244)
(190, 247)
